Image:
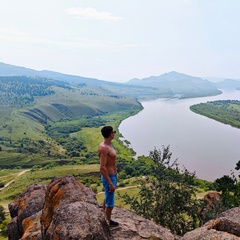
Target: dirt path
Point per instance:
(19, 174)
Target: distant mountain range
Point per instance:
(172, 84)
(11, 70)
(179, 83)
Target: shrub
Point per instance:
(166, 196)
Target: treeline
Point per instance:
(225, 111)
(25, 146)
(65, 128)
(61, 131)
(21, 90)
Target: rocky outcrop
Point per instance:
(71, 211)
(66, 209)
(132, 226)
(226, 226)
(29, 203)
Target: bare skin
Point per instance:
(107, 156)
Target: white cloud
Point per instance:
(91, 13)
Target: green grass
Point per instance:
(87, 174)
(13, 160)
(17, 126)
(118, 199)
(91, 137)
(8, 175)
(44, 177)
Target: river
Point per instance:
(201, 144)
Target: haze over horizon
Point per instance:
(120, 40)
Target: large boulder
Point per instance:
(225, 227)
(229, 221)
(65, 209)
(71, 211)
(29, 203)
(132, 226)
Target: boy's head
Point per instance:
(107, 131)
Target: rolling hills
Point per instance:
(48, 117)
(39, 115)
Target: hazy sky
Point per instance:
(117, 40)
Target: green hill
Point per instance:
(42, 119)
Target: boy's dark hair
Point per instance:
(106, 131)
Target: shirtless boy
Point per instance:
(108, 169)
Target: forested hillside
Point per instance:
(225, 111)
(21, 90)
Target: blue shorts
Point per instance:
(109, 196)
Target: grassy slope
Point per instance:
(91, 137)
(65, 105)
(43, 176)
